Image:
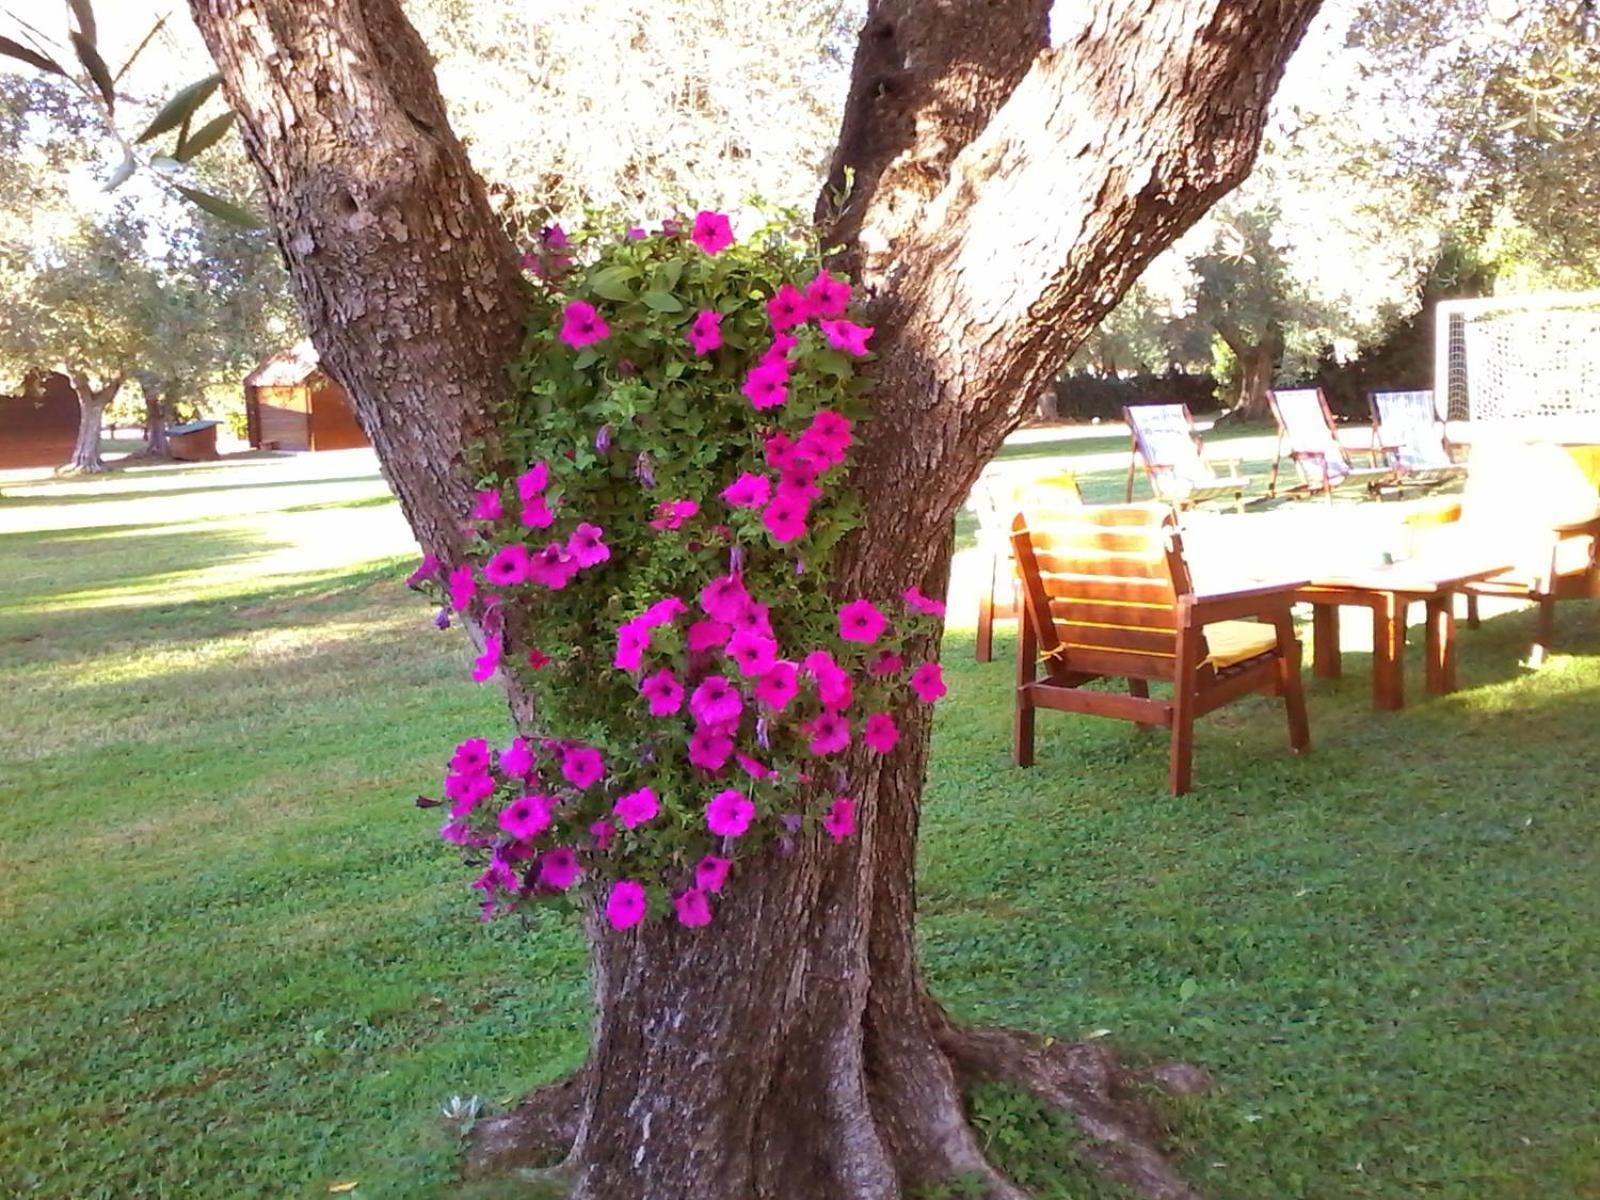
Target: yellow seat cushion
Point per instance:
(1232, 642)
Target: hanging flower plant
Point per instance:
(653, 569)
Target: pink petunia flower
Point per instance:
(583, 766)
(466, 792)
(559, 868)
(526, 817)
(787, 308)
(724, 598)
(754, 619)
(767, 385)
(463, 587)
(799, 480)
(716, 701)
(729, 814)
(636, 233)
(662, 612)
(827, 296)
(826, 439)
(707, 635)
(777, 354)
(927, 681)
(537, 658)
(633, 639)
(471, 757)
(881, 733)
(887, 662)
(585, 548)
(635, 808)
(663, 691)
(780, 451)
(536, 514)
(860, 621)
(754, 768)
(427, 569)
(627, 904)
(709, 748)
(671, 514)
(785, 517)
(602, 832)
(712, 232)
(711, 872)
(581, 325)
(508, 567)
(693, 908)
(926, 605)
(517, 758)
(846, 336)
(533, 482)
(748, 491)
(833, 682)
(778, 686)
(840, 819)
(828, 731)
(705, 332)
(487, 663)
(754, 652)
(487, 505)
(553, 567)
(555, 237)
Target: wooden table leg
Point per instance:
(986, 611)
(1441, 645)
(1325, 662)
(1388, 653)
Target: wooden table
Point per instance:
(1389, 591)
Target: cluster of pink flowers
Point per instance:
(739, 733)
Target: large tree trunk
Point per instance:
(155, 422)
(1004, 197)
(1257, 363)
(92, 403)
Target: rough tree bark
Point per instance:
(1258, 360)
(92, 403)
(1003, 196)
(155, 416)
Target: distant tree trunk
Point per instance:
(155, 419)
(91, 414)
(1258, 361)
(792, 1052)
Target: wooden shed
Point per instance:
(290, 403)
(195, 441)
(39, 427)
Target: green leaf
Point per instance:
(32, 57)
(662, 301)
(123, 173)
(85, 14)
(612, 283)
(96, 66)
(182, 106)
(587, 357)
(207, 136)
(218, 207)
(831, 362)
(1187, 990)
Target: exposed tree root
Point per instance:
(1085, 1079)
(536, 1134)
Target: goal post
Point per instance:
(1528, 365)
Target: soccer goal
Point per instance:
(1528, 365)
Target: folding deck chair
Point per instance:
(1408, 431)
(1107, 594)
(1166, 441)
(1306, 426)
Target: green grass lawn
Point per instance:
(237, 964)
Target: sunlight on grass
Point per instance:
(239, 964)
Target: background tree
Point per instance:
(994, 197)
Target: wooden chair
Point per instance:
(1166, 441)
(1107, 594)
(1408, 431)
(1305, 426)
(995, 499)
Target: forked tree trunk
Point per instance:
(155, 423)
(92, 403)
(1004, 196)
(1257, 363)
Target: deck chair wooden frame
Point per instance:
(1572, 573)
(1107, 595)
(994, 500)
(1182, 484)
(1318, 464)
(1408, 432)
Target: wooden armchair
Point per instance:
(1107, 594)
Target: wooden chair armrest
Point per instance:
(1587, 527)
(1442, 514)
(1268, 600)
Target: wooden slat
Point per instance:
(1117, 637)
(1096, 565)
(1083, 587)
(1160, 615)
(1116, 662)
(1121, 515)
(1104, 704)
(1071, 537)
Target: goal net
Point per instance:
(1530, 364)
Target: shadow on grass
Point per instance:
(117, 495)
